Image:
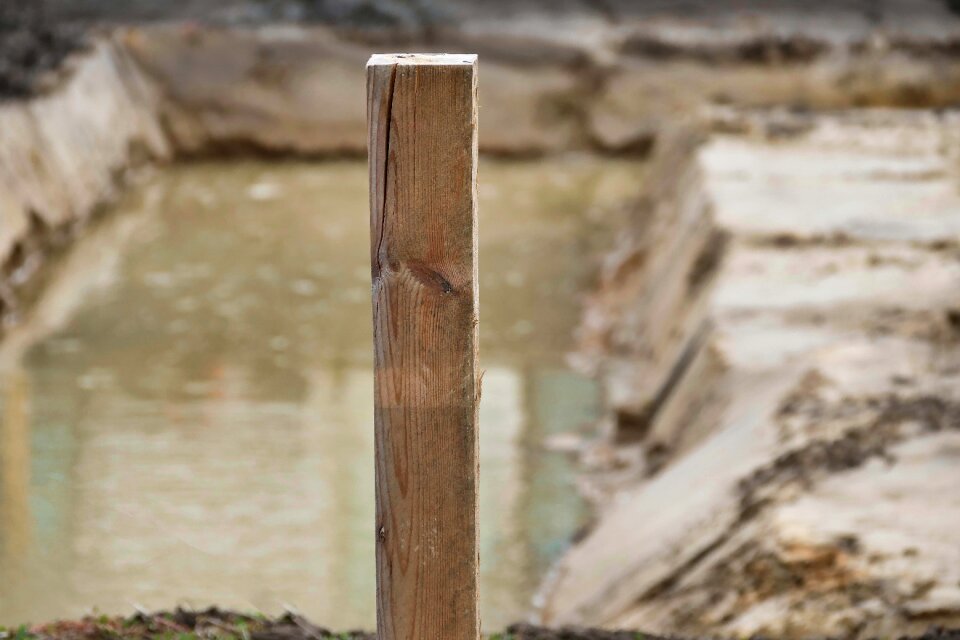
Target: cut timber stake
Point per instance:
(422, 117)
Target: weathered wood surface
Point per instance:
(422, 114)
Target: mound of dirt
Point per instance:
(31, 46)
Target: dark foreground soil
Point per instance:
(31, 45)
(216, 624)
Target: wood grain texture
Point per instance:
(422, 115)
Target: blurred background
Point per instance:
(720, 310)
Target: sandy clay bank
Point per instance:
(799, 476)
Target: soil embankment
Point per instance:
(65, 153)
(810, 492)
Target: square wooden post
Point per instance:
(422, 117)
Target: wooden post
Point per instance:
(422, 117)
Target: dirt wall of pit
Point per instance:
(807, 491)
(64, 154)
(177, 90)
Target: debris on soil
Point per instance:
(183, 624)
(530, 632)
(763, 50)
(31, 46)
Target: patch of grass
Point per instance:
(19, 633)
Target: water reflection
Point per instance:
(14, 470)
(187, 413)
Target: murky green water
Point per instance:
(187, 413)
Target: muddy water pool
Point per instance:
(187, 410)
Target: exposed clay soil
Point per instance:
(31, 46)
(836, 402)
